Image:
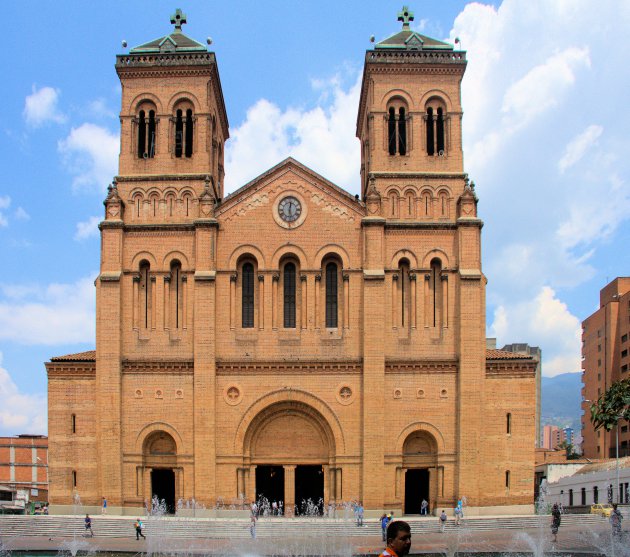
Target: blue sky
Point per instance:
(545, 135)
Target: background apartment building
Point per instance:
(605, 360)
(24, 465)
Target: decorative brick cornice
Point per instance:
(420, 366)
(152, 367)
(400, 225)
(505, 369)
(71, 370)
(421, 175)
(161, 178)
(282, 367)
(139, 229)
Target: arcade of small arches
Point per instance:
(435, 136)
(290, 282)
(271, 468)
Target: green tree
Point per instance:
(612, 406)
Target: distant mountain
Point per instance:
(561, 399)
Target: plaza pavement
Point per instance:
(592, 539)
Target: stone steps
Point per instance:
(204, 528)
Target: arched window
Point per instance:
(142, 135)
(289, 295)
(402, 131)
(332, 296)
(393, 203)
(397, 128)
(247, 286)
(145, 294)
(426, 204)
(391, 131)
(436, 136)
(176, 295)
(443, 202)
(189, 133)
(436, 292)
(405, 292)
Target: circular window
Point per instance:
(290, 209)
(345, 394)
(397, 393)
(420, 393)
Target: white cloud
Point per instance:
(578, 146)
(91, 154)
(19, 412)
(41, 107)
(552, 186)
(87, 229)
(318, 137)
(21, 214)
(48, 315)
(5, 202)
(542, 321)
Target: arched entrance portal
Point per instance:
(291, 446)
(419, 464)
(160, 459)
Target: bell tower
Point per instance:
(409, 121)
(173, 117)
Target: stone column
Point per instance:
(317, 310)
(412, 300)
(251, 483)
(289, 489)
(444, 279)
(166, 324)
(304, 312)
(325, 471)
(233, 277)
(395, 301)
(274, 301)
(338, 485)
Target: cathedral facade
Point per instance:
(290, 341)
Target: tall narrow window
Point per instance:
(73, 423)
(436, 291)
(391, 130)
(331, 296)
(189, 133)
(402, 131)
(507, 479)
(145, 294)
(440, 132)
(179, 133)
(404, 292)
(151, 150)
(289, 296)
(74, 478)
(176, 294)
(508, 424)
(142, 135)
(248, 296)
(430, 137)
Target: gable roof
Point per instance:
(411, 40)
(174, 42)
(230, 199)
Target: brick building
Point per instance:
(605, 360)
(290, 340)
(24, 464)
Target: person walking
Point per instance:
(398, 539)
(555, 521)
(615, 520)
(458, 515)
(252, 526)
(443, 519)
(424, 507)
(384, 522)
(104, 506)
(359, 515)
(88, 526)
(138, 526)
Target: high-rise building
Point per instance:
(605, 360)
(289, 340)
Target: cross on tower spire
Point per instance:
(178, 19)
(405, 16)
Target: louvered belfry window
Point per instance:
(331, 296)
(248, 296)
(289, 296)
